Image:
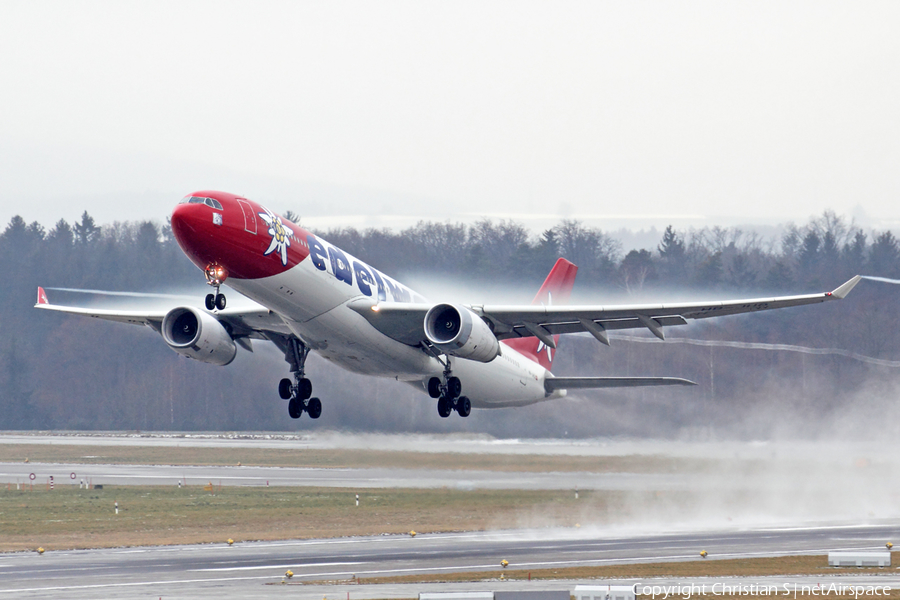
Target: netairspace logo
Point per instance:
(687, 590)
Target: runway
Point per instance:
(244, 570)
(742, 504)
(108, 474)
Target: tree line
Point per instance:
(66, 372)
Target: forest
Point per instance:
(67, 372)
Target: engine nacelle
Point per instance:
(458, 331)
(199, 335)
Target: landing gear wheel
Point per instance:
(284, 389)
(314, 408)
(434, 387)
(220, 301)
(444, 407)
(210, 302)
(463, 406)
(304, 388)
(454, 387)
(295, 408)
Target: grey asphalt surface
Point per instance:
(345, 478)
(833, 487)
(255, 570)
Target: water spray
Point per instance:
(777, 347)
(762, 346)
(881, 279)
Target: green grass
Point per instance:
(68, 517)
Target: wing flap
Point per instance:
(132, 317)
(578, 326)
(551, 384)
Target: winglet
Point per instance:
(42, 296)
(842, 291)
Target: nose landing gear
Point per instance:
(299, 391)
(216, 274)
(216, 301)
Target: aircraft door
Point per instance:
(249, 217)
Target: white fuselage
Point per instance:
(314, 304)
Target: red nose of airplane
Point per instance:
(194, 228)
(249, 241)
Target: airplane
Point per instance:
(312, 296)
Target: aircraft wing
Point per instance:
(254, 322)
(405, 322)
(552, 384)
(545, 321)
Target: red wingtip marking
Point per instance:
(42, 296)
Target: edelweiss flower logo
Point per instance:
(281, 236)
(542, 346)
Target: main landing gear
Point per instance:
(299, 391)
(215, 276)
(448, 394)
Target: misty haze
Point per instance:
(60, 372)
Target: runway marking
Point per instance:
(820, 527)
(410, 570)
(282, 566)
(681, 557)
(671, 557)
(133, 584)
(549, 563)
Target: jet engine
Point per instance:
(458, 331)
(199, 335)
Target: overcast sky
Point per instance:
(368, 113)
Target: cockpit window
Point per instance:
(211, 202)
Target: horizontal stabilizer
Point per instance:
(552, 384)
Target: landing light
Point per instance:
(216, 274)
(376, 308)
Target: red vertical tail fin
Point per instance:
(557, 289)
